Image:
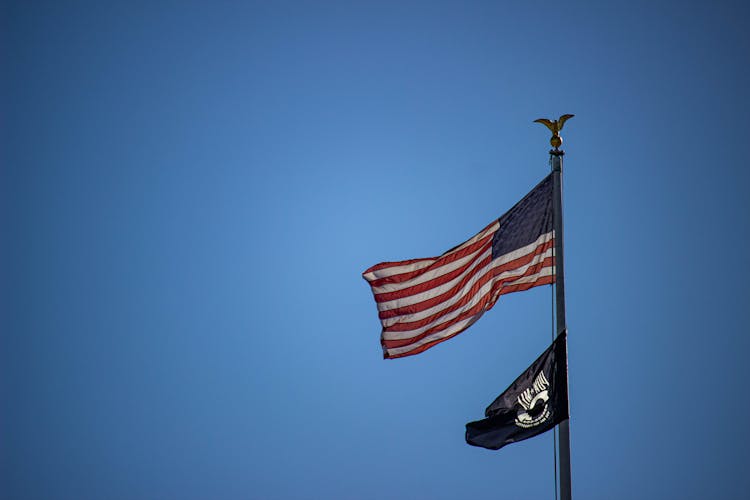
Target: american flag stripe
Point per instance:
(498, 277)
(392, 269)
(545, 278)
(425, 343)
(436, 285)
(433, 305)
(413, 296)
(495, 278)
(422, 302)
(482, 300)
(455, 264)
(394, 349)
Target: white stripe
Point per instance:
(405, 318)
(488, 230)
(408, 318)
(481, 265)
(461, 325)
(392, 271)
(431, 274)
(406, 268)
(548, 270)
(520, 252)
(438, 290)
(545, 271)
(453, 329)
(478, 297)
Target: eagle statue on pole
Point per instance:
(555, 127)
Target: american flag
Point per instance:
(422, 302)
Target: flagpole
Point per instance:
(564, 448)
(556, 159)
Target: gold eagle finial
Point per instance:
(555, 127)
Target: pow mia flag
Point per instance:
(533, 404)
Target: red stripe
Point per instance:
(424, 347)
(544, 280)
(484, 304)
(404, 277)
(436, 282)
(476, 309)
(386, 265)
(426, 304)
(443, 297)
(466, 297)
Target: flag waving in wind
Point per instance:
(423, 302)
(534, 403)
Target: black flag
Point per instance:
(534, 403)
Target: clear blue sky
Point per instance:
(189, 193)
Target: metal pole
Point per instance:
(556, 154)
(564, 449)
